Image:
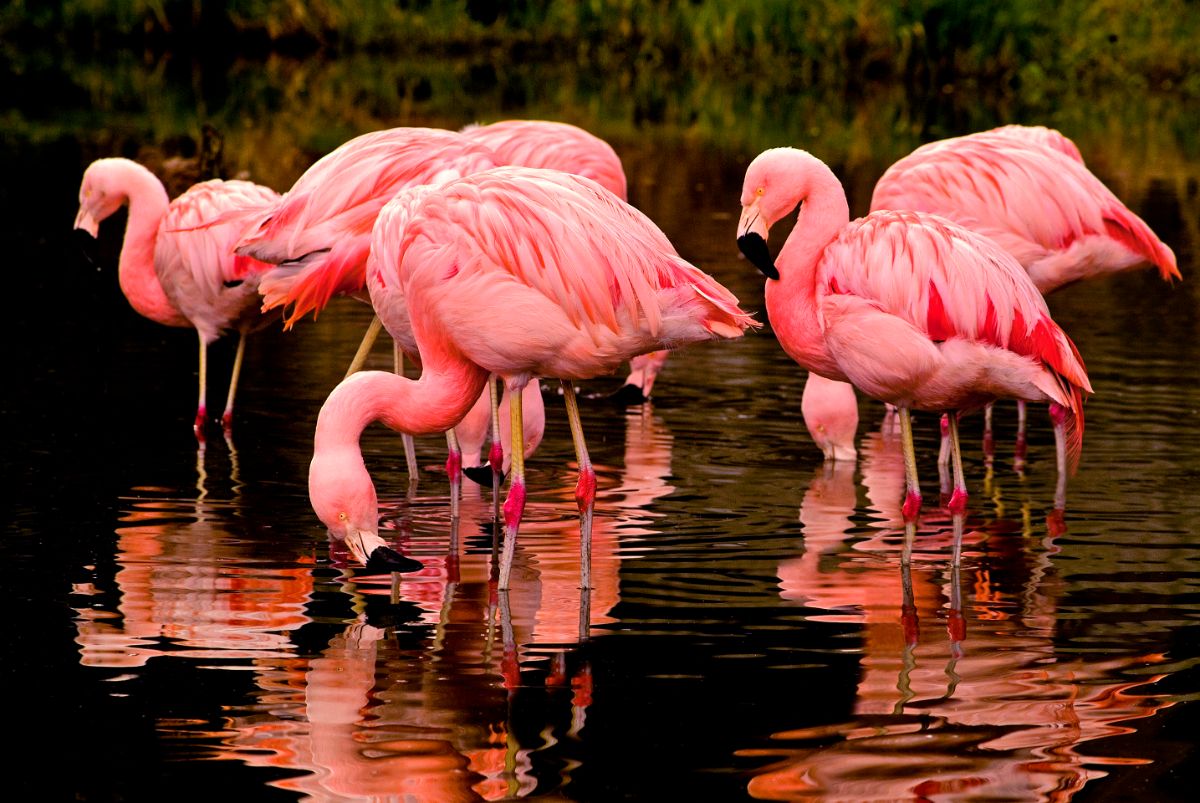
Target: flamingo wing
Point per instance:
(583, 277)
(1034, 201)
(947, 282)
(555, 145)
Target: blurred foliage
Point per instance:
(1025, 44)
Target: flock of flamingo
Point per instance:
(931, 302)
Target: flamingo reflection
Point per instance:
(420, 697)
(189, 585)
(963, 691)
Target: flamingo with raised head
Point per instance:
(573, 282)
(175, 274)
(1027, 188)
(912, 309)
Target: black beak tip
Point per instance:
(384, 559)
(628, 395)
(480, 475)
(754, 247)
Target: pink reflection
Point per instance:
(963, 693)
(183, 577)
(423, 711)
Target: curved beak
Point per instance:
(752, 240)
(373, 552)
(85, 221)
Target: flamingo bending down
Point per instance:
(176, 274)
(1027, 188)
(562, 146)
(830, 412)
(912, 309)
(574, 282)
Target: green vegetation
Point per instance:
(1025, 45)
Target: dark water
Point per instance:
(179, 627)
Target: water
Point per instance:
(179, 625)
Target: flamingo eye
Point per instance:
(759, 192)
(342, 516)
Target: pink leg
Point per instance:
(989, 443)
(453, 470)
(912, 494)
(496, 452)
(514, 505)
(585, 490)
(958, 499)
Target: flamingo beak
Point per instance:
(85, 221)
(752, 240)
(371, 551)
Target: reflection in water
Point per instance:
(189, 586)
(957, 698)
(416, 697)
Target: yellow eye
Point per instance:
(760, 191)
(343, 517)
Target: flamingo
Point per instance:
(830, 412)
(1027, 188)
(175, 274)
(562, 146)
(912, 309)
(574, 283)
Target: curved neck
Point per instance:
(792, 298)
(147, 206)
(434, 403)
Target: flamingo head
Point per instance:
(343, 497)
(99, 196)
(777, 181)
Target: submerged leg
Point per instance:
(514, 505)
(227, 416)
(585, 490)
(912, 493)
(496, 453)
(410, 449)
(364, 348)
(201, 407)
(989, 443)
(1020, 447)
(453, 470)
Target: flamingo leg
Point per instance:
(201, 407)
(453, 470)
(944, 450)
(1058, 416)
(496, 453)
(514, 505)
(989, 443)
(912, 494)
(410, 449)
(958, 500)
(364, 348)
(1020, 447)
(585, 490)
(227, 416)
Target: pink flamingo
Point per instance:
(912, 309)
(175, 274)
(1027, 188)
(830, 412)
(575, 283)
(562, 146)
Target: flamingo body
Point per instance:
(1027, 189)
(573, 282)
(174, 268)
(911, 308)
(319, 232)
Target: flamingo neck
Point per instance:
(434, 403)
(148, 204)
(792, 298)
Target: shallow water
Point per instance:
(179, 624)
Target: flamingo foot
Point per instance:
(227, 420)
